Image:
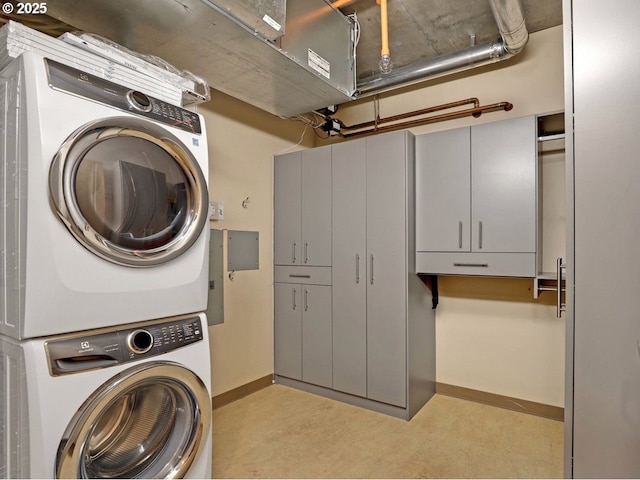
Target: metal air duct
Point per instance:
(234, 45)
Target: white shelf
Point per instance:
(546, 138)
(546, 281)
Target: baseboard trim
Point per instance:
(242, 391)
(495, 400)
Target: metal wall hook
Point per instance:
(245, 203)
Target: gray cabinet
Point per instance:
(302, 275)
(316, 335)
(503, 192)
(287, 228)
(302, 325)
(302, 200)
(361, 330)
(443, 191)
(387, 243)
(349, 245)
(383, 324)
(476, 199)
(287, 330)
(602, 409)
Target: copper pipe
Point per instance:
(476, 112)
(415, 113)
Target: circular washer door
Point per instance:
(129, 191)
(149, 421)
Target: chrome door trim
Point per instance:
(75, 440)
(61, 185)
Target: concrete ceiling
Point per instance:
(419, 30)
(422, 29)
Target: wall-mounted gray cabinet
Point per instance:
(381, 343)
(476, 199)
(302, 200)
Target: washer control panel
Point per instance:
(82, 352)
(74, 81)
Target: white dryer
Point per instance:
(132, 402)
(103, 206)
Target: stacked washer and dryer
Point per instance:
(104, 241)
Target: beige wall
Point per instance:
(491, 335)
(242, 141)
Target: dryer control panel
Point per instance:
(83, 84)
(100, 349)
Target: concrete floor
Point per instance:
(281, 432)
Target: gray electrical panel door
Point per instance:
(316, 335)
(503, 192)
(215, 300)
(387, 268)
(605, 425)
(287, 191)
(288, 330)
(349, 245)
(443, 191)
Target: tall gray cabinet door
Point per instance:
(386, 268)
(443, 191)
(316, 206)
(503, 178)
(316, 335)
(287, 248)
(288, 330)
(606, 382)
(349, 245)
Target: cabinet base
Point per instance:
(347, 398)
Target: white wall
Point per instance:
(242, 141)
(490, 333)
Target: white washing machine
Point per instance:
(103, 203)
(132, 402)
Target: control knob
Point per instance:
(140, 341)
(139, 101)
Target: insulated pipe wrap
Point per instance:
(509, 16)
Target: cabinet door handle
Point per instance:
(560, 307)
(357, 268)
(479, 234)
(460, 264)
(306, 252)
(371, 267)
(293, 292)
(459, 234)
(293, 253)
(306, 299)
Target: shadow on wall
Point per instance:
(493, 288)
(249, 116)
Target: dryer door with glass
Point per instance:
(130, 191)
(149, 421)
